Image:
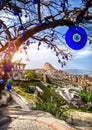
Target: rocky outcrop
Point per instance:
(61, 78)
(71, 95)
(5, 98)
(79, 119)
(48, 66)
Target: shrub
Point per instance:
(29, 89)
(87, 109)
(31, 75)
(86, 95)
(50, 101)
(51, 106)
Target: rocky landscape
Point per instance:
(63, 79)
(66, 85)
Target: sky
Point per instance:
(82, 59)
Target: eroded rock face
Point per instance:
(48, 66)
(5, 98)
(71, 95)
(62, 78)
(79, 118)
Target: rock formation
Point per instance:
(61, 78)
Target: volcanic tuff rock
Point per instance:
(62, 78)
(81, 119)
(48, 66)
(5, 98)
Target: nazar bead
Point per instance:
(35, 1)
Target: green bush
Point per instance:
(87, 109)
(49, 86)
(86, 95)
(29, 89)
(51, 106)
(31, 74)
(50, 101)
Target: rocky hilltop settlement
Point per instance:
(62, 78)
(65, 84)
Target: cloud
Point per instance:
(39, 57)
(85, 52)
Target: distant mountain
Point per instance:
(79, 72)
(48, 66)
